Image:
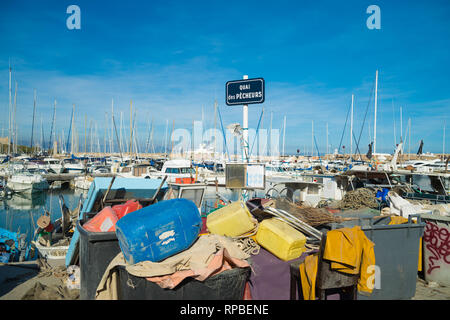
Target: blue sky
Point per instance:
(173, 58)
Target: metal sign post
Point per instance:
(245, 128)
(245, 92)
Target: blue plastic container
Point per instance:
(158, 231)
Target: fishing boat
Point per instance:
(110, 191)
(53, 248)
(13, 247)
(26, 182)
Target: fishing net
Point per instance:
(359, 198)
(312, 216)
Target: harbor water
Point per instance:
(20, 212)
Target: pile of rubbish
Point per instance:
(168, 242)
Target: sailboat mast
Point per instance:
(85, 120)
(284, 133)
(312, 138)
(131, 126)
(15, 119)
(53, 128)
(443, 144)
(393, 116)
(401, 125)
(375, 116)
(10, 113)
(215, 125)
(73, 130)
(148, 136)
(120, 131)
(112, 126)
(165, 137)
(351, 128)
(171, 134)
(409, 133)
(32, 124)
(151, 139)
(270, 135)
(42, 135)
(104, 137)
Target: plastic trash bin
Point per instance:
(396, 255)
(436, 249)
(227, 285)
(97, 249)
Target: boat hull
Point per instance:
(25, 187)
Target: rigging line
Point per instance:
(317, 148)
(257, 130)
(223, 132)
(70, 130)
(367, 109)
(357, 147)
(343, 131)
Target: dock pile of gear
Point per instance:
(163, 247)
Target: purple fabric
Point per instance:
(271, 278)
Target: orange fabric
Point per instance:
(220, 262)
(104, 221)
(123, 209)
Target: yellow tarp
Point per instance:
(349, 251)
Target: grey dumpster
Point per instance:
(396, 255)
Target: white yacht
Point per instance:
(54, 165)
(27, 183)
(173, 169)
(73, 166)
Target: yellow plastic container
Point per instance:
(232, 220)
(280, 239)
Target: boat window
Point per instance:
(172, 170)
(187, 170)
(194, 195)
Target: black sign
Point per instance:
(245, 91)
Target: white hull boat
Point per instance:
(27, 183)
(83, 182)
